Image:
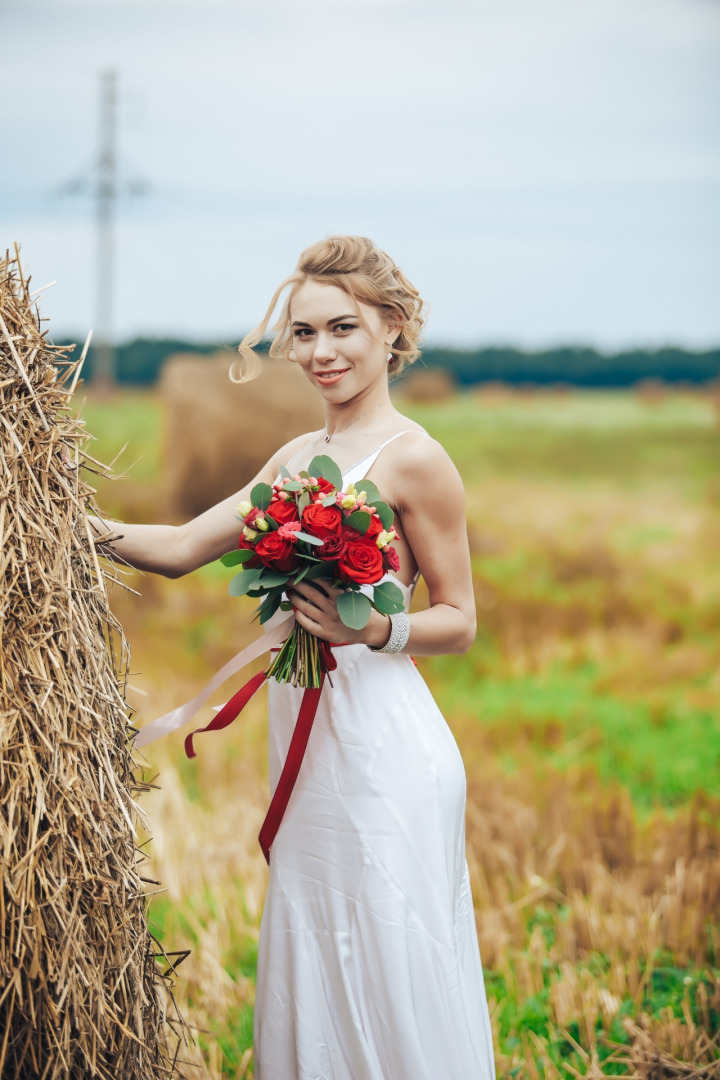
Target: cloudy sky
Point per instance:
(546, 171)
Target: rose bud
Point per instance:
(243, 508)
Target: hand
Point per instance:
(315, 605)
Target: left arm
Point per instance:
(431, 509)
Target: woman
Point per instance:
(368, 963)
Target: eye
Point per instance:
(345, 328)
(301, 332)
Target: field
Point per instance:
(588, 715)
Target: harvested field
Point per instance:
(587, 714)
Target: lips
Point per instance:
(328, 378)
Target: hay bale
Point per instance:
(81, 992)
(427, 386)
(219, 434)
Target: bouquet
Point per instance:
(306, 527)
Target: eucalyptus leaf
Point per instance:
(371, 492)
(354, 609)
(385, 514)
(271, 578)
(234, 558)
(302, 502)
(285, 473)
(324, 466)
(294, 485)
(268, 609)
(309, 539)
(244, 581)
(320, 570)
(388, 598)
(261, 496)
(329, 500)
(359, 520)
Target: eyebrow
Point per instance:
(338, 318)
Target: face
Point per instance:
(339, 356)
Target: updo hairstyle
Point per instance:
(358, 267)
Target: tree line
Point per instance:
(140, 362)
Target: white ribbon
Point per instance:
(173, 720)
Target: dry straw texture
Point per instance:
(81, 990)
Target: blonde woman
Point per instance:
(368, 962)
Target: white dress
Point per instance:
(368, 963)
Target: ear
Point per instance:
(394, 329)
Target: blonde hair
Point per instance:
(369, 276)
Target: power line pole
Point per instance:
(104, 187)
(106, 192)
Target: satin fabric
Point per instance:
(368, 966)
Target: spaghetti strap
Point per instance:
(363, 466)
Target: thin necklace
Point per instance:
(329, 437)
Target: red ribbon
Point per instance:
(298, 743)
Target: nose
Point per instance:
(324, 347)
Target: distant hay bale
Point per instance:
(219, 434)
(427, 386)
(494, 392)
(81, 993)
(651, 391)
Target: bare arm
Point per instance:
(174, 550)
(432, 514)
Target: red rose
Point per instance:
(333, 547)
(390, 559)
(361, 562)
(322, 521)
(247, 546)
(375, 527)
(324, 488)
(276, 552)
(282, 511)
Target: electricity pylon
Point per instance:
(104, 186)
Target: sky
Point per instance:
(546, 172)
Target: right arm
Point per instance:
(174, 550)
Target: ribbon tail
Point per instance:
(291, 768)
(173, 720)
(229, 712)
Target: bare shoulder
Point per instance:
(422, 465)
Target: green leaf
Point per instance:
(320, 570)
(298, 577)
(385, 514)
(309, 539)
(261, 496)
(234, 558)
(294, 485)
(285, 473)
(388, 598)
(270, 606)
(302, 502)
(325, 466)
(244, 581)
(354, 609)
(329, 500)
(359, 520)
(371, 492)
(271, 578)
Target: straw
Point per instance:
(85, 989)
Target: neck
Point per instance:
(339, 417)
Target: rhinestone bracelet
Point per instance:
(399, 634)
